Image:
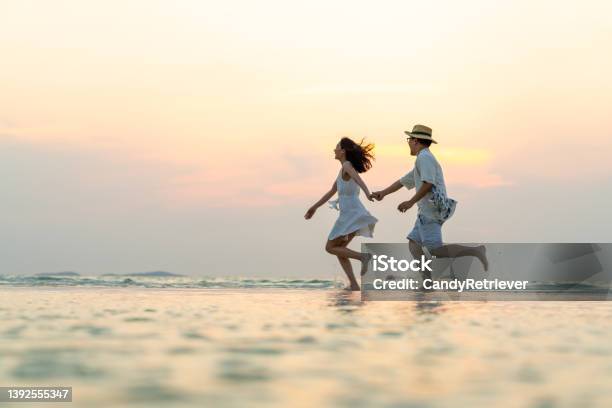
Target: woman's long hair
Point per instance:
(360, 155)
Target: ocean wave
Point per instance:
(189, 282)
(182, 282)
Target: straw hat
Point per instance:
(420, 132)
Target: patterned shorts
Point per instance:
(426, 232)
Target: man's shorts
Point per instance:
(426, 232)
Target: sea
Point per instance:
(234, 342)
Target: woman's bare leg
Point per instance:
(334, 247)
(345, 262)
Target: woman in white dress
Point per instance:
(353, 219)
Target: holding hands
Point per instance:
(406, 205)
(377, 195)
(403, 207)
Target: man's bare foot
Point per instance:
(482, 256)
(365, 260)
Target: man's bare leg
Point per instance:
(457, 251)
(415, 248)
(417, 251)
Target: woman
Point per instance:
(353, 219)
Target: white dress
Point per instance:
(353, 215)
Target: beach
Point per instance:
(190, 187)
(280, 346)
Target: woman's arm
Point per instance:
(348, 167)
(322, 201)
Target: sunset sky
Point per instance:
(174, 135)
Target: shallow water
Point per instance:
(137, 346)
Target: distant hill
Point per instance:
(154, 273)
(58, 274)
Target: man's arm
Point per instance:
(406, 205)
(379, 195)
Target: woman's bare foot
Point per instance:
(352, 288)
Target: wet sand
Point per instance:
(284, 347)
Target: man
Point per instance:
(434, 207)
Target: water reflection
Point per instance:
(345, 301)
(304, 345)
(428, 307)
(348, 302)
